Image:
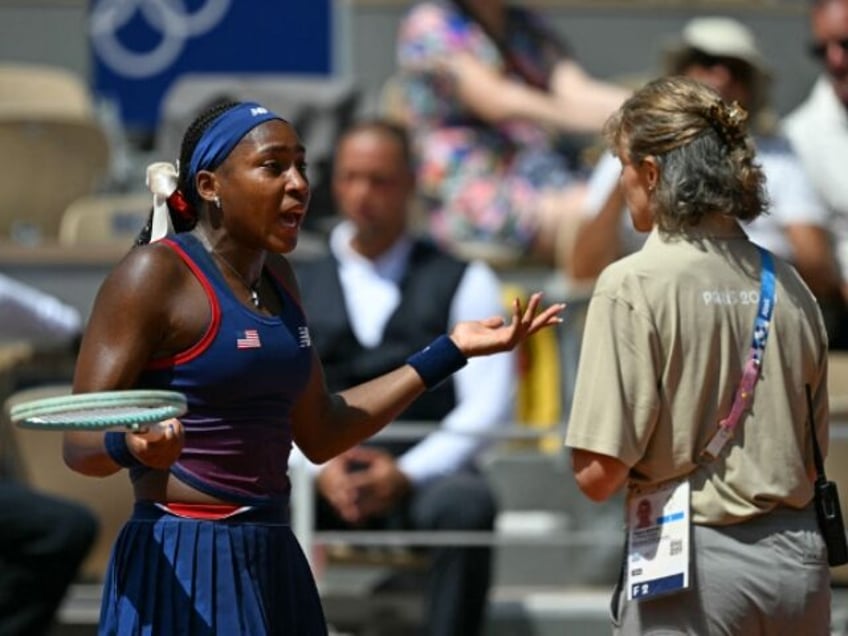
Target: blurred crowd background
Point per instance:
(92, 91)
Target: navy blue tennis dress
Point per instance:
(243, 573)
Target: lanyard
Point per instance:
(745, 393)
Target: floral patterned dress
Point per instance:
(479, 182)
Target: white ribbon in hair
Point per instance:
(162, 182)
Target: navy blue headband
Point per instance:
(221, 137)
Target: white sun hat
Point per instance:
(720, 37)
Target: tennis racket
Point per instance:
(136, 410)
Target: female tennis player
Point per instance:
(211, 310)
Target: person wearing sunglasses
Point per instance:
(818, 127)
(723, 54)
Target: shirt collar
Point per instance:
(704, 230)
(392, 264)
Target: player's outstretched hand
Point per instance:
(493, 335)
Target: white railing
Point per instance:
(303, 503)
(303, 506)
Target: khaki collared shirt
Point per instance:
(667, 334)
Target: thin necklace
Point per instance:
(253, 289)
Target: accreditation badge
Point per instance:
(658, 541)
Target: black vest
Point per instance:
(427, 290)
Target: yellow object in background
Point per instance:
(539, 399)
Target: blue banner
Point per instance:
(139, 47)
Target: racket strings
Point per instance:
(123, 413)
(133, 409)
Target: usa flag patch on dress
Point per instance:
(248, 339)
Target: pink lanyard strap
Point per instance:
(745, 392)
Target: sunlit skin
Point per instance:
(266, 174)
(829, 23)
(575, 101)
(598, 476)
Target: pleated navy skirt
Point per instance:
(242, 576)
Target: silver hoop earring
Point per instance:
(217, 200)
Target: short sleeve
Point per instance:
(616, 397)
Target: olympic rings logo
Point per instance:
(169, 17)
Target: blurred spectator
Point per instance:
(43, 539)
(489, 90)
(29, 314)
(380, 295)
(818, 128)
(49, 326)
(722, 53)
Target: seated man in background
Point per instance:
(379, 296)
(722, 53)
(43, 539)
(43, 542)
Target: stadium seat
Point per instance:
(104, 219)
(54, 151)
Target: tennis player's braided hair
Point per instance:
(183, 210)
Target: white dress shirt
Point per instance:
(818, 130)
(485, 388)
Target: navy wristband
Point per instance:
(436, 362)
(116, 447)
